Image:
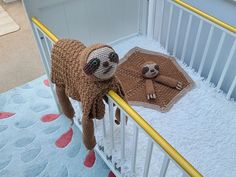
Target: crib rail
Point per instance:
(46, 39)
(183, 38)
(207, 16)
(155, 137)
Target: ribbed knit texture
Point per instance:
(68, 59)
(130, 74)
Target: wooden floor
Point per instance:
(19, 56)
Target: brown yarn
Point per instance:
(135, 85)
(68, 60)
(168, 81)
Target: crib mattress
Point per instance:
(201, 126)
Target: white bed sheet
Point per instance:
(201, 126)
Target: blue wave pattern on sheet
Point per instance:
(3, 127)
(4, 173)
(24, 141)
(4, 162)
(35, 169)
(24, 123)
(51, 129)
(63, 172)
(43, 93)
(30, 155)
(18, 99)
(27, 144)
(39, 107)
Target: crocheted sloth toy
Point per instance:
(85, 74)
(150, 72)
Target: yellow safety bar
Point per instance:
(183, 163)
(52, 36)
(207, 16)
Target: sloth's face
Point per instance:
(102, 63)
(150, 70)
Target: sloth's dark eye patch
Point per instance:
(157, 67)
(91, 66)
(145, 70)
(113, 57)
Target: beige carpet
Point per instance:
(7, 24)
(19, 56)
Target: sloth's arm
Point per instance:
(105, 98)
(169, 82)
(120, 91)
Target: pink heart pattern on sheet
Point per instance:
(46, 82)
(49, 117)
(64, 139)
(5, 115)
(90, 159)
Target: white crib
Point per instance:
(171, 27)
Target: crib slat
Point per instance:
(48, 50)
(151, 15)
(165, 165)
(148, 158)
(134, 154)
(206, 50)
(122, 121)
(231, 89)
(228, 61)
(161, 18)
(157, 19)
(169, 24)
(111, 119)
(196, 43)
(95, 126)
(186, 37)
(44, 57)
(177, 32)
(80, 111)
(218, 50)
(46, 66)
(104, 128)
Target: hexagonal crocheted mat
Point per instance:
(130, 74)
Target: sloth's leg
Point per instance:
(117, 115)
(150, 91)
(65, 103)
(88, 133)
(89, 141)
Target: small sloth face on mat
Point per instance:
(102, 63)
(150, 70)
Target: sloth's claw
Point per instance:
(154, 96)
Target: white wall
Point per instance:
(87, 20)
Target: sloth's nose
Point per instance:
(152, 70)
(105, 64)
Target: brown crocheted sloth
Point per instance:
(150, 72)
(85, 74)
